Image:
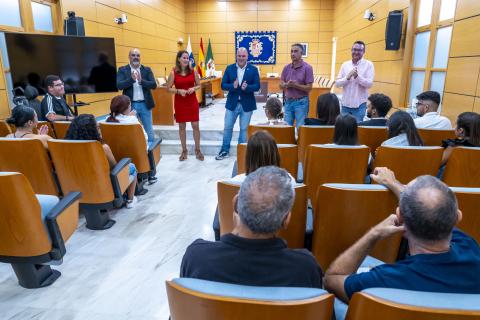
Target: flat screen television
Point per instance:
(85, 64)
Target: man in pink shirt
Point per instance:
(355, 77)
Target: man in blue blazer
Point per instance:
(241, 80)
(136, 81)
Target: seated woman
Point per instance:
(402, 131)
(328, 108)
(85, 127)
(121, 112)
(467, 132)
(25, 120)
(273, 111)
(261, 151)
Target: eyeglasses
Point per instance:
(135, 55)
(421, 104)
(357, 50)
(59, 84)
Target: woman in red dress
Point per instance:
(186, 81)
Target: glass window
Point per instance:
(425, 13)
(447, 9)
(437, 82)
(420, 54)
(442, 46)
(416, 84)
(10, 13)
(42, 17)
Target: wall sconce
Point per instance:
(180, 41)
(369, 15)
(121, 20)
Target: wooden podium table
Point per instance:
(313, 96)
(163, 113)
(273, 84)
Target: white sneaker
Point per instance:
(131, 203)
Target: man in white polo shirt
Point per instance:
(427, 107)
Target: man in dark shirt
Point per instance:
(441, 258)
(53, 106)
(378, 106)
(252, 254)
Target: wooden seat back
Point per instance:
(22, 232)
(4, 128)
(308, 135)
(469, 203)
(288, 158)
(186, 304)
(295, 232)
(61, 128)
(29, 157)
(127, 141)
(334, 164)
(343, 215)
(372, 136)
(409, 162)
(364, 306)
(463, 168)
(281, 134)
(434, 137)
(83, 166)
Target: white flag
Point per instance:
(190, 54)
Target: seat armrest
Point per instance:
(117, 190)
(154, 144)
(58, 245)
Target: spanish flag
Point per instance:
(201, 60)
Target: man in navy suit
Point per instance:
(241, 80)
(136, 81)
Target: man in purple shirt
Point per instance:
(297, 79)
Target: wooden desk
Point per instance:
(273, 84)
(163, 111)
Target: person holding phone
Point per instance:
(241, 80)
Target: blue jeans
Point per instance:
(296, 109)
(358, 113)
(145, 116)
(229, 122)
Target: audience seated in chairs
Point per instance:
(441, 257)
(402, 131)
(252, 254)
(273, 111)
(85, 127)
(121, 112)
(378, 106)
(467, 132)
(328, 108)
(262, 151)
(25, 120)
(427, 112)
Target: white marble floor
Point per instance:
(120, 273)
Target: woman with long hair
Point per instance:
(467, 132)
(328, 109)
(121, 112)
(85, 127)
(186, 82)
(402, 131)
(25, 121)
(345, 132)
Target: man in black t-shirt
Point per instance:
(53, 106)
(252, 254)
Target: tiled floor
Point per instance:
(120, 273)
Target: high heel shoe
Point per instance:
(199, 155)
(183, 156)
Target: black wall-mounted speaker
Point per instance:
(73, 26)
(393, 31)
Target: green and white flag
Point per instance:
(210, 72)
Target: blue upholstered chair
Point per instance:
(201, 300)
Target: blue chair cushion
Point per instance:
(351, 186)
(435, 300)
(465, 190)
(47, 202)
(249, 292)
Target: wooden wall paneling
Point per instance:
(476, 105)
(467, 8)
(454, 104)
(462, 75)
(466, 38)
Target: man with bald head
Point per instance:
(241, 80)
(440, 257)
(136, 81)
(252, 254)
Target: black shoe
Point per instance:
(222, 155)
(152, 180)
